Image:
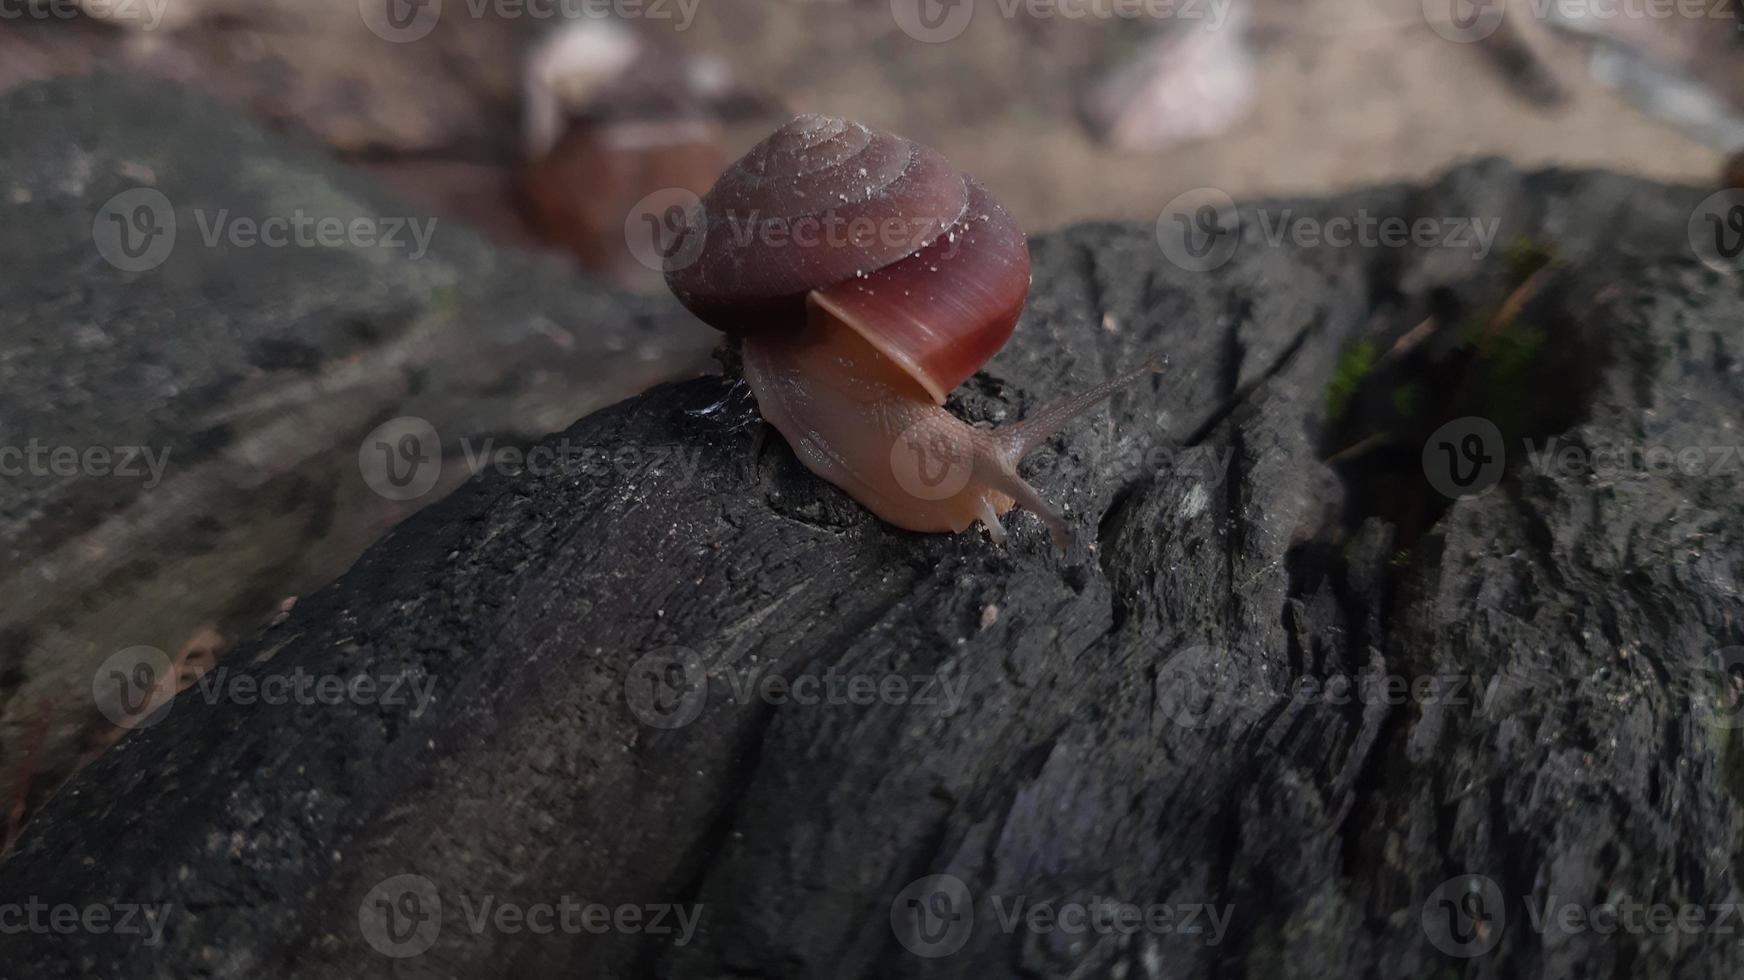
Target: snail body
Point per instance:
(866, 279)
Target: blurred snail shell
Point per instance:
(866, 278)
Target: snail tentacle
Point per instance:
(1019, 439)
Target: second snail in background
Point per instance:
(866, 278)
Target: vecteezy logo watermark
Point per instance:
(1716, 231)
(1722, 704)
(1464, 21)
(35, 916)
(933, 461)
(1465, 916)
(400, 21)
(1199, 229)
(133, 687)
(139, 14)
(666, 229)
(1465, 457)
(36, 458)
(668, 688)
(402, 917)
(934, 916)
(401, 459)
(1189, 689)
(135, 231)
(933, 21)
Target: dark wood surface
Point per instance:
(253, 374)
(1127, 720)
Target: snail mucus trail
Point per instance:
(865, 279)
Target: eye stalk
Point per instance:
(866, 279)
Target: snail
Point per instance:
(864, 279)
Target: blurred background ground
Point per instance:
(1254, 97)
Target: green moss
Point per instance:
(1527, 255)
(1353, 367)
(1731, 757)
(1513, 349)
(444, 300)
(1408, 399)
(1509, 387)
(1472, 330)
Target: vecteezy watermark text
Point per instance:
(930, 463)
(669, 687)
(668, 229)
(303, 230)
(135, 687)
(301, 687)
(1553, 457)
(144, 14)
(402, 916)
(1467, 915)
(934, 916)
(137, 230)
(1201, 229)
(1365, 230)
(939, 21)
(37, 458)
(680, 463)
(1191, 696)
(402, 459)
(404, 21)
(1468, 21)
(35, 916)
(570, 915)
(1192, 692)
(1466, 457)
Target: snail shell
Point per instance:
(912, 255)
(867, 279)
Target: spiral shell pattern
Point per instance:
(871, 228)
